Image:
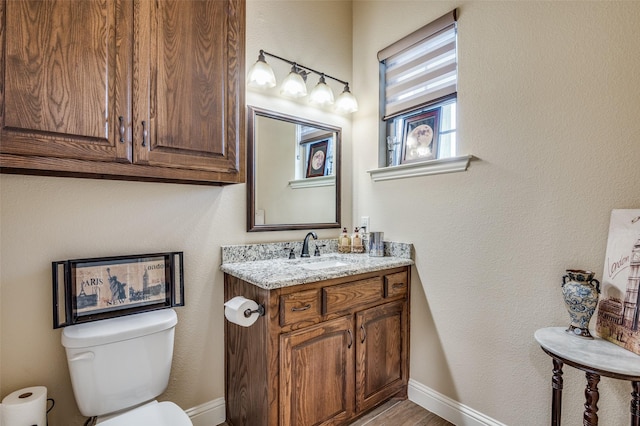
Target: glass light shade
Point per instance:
(261, 75)
(321, 95)
(293, 86)
(346, 102)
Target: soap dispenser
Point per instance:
(356, 242)
(344, 242)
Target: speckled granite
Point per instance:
(268, 266)
(266, 251)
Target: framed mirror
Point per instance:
(293, 173)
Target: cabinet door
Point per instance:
(316, 374)
(189, 86)
(381, 353)
(66, 68)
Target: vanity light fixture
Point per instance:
(295, 84)
(346, 102)
(321, 95)
(261, 76)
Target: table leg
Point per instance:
(635, 404)
(556, 384)
(592, 396)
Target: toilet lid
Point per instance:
(154, 414)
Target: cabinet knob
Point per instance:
(145, 133)
(122, 129)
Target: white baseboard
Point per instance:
(445, 407)
(210, 413)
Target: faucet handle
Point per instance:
(292, 255)
(317, 252)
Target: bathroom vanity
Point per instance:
(333, 342)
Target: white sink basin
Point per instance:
(324, 264)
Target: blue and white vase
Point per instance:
(581, 292)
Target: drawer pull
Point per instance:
(145, 133)
(122, 129)
(397, 285)
(350, 338)
(364, 333)
(304, 308)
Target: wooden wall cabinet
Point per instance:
(123, 89)
(324, 353)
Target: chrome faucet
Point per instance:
(305, 244)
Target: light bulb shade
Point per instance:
(321, 95)
(346, 102)
(293, 86)
(261, 75)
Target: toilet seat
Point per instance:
(153, 414)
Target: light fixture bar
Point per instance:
(297, 64)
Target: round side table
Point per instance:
(596, 357)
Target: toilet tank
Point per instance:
(121, 362)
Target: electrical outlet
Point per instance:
(364, 222)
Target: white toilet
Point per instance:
(118, 366)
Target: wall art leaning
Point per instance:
(618, 318)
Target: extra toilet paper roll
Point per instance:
(235, 308)
(25, 407)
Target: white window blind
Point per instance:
(421, 68)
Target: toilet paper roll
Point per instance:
(25, 407)
(235, 308)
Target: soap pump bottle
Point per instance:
(344, 242)
(356, 242)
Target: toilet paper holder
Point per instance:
(260, 310)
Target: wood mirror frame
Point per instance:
(252, 178)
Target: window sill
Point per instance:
(313, 182)
(424, 168)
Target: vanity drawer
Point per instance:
(343, 297)
(396, 285)
(300, 306)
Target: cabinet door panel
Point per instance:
(192, 71)
(66, 76)
(316, 374)
(381, 368)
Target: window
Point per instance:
(418, 95)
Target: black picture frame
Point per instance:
(421, 136)
(317, 159)
(86, 290)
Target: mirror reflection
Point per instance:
(293, 173)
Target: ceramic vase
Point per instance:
(581, 292)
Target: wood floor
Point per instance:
(399, 413)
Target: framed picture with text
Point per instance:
(618, 315)
(87, 290)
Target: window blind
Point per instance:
(420, 68)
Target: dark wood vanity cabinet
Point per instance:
(123, 89)
(324, 353)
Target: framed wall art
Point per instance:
(420, 136)
(317, 159)
(618, 317)
(86, 290)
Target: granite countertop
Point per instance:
(266, 265)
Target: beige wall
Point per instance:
(43, 219)
(549, 100)
(549, 97)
